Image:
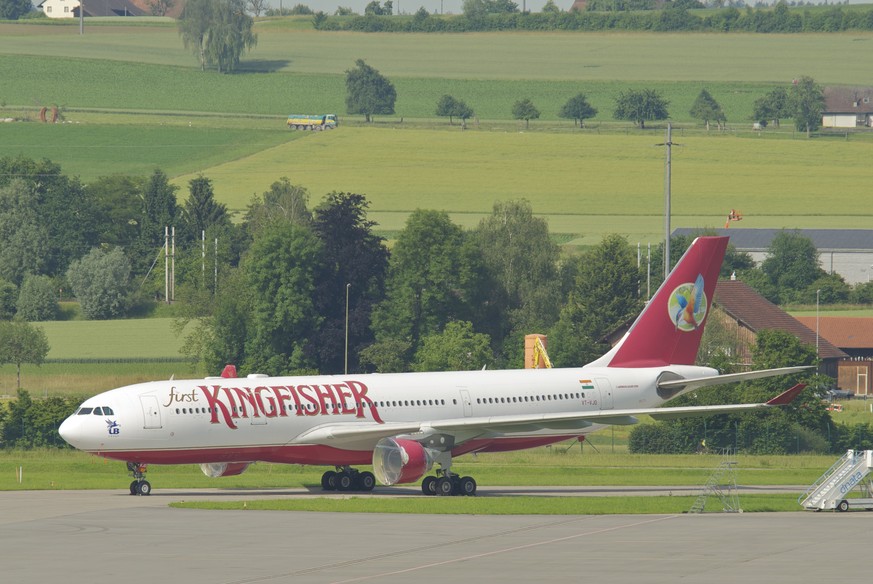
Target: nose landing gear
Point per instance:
(139, 486)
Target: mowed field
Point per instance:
(136, 100)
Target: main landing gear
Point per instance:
(139, 486)
(348, 479)
(449, 484)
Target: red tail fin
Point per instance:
(229, 371)
(669, 329)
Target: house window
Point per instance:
(66, 8)
(48, 8)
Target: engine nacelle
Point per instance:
(397, 461)
(223, 469)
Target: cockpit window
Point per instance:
(108, 411)
(98, 411)
(85, 411)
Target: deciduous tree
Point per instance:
(23, 235)
(520, 259)
(772, 107)
(806, 100)
(639, 106)
(434, 277)
(457, 348)
(525, 110)
(100, 283)
(448, 106)
(368, 92)
(791, 264)
(217, 31)
(577, 109)
(14, 9)
(37, 299)
(21, 342)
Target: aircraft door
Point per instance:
(468, 404)
(151, 412)
(605, 389)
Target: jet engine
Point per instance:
(397, 461)
(223, 469)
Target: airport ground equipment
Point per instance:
(722, 483)
(308, 122)
(831, 490)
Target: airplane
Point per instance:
(405, 423)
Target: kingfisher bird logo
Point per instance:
(112, 428)
(688, 305)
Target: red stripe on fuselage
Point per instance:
(314, 454)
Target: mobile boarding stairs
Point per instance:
(832, 489)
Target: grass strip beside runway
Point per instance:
(498, 505)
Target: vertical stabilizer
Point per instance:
(669, 329)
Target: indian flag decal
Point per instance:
(586, 384)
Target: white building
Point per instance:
(847, 107)
(70, 8)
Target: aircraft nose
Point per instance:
(70, 431)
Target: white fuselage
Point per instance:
(273, 419)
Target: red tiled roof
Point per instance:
(757, 313)
(846, 332)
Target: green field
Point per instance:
(136, 100)
(544, 56)
(585, 184)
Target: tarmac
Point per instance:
(109, 536)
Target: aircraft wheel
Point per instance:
(445, 486)
(366, 481)
(843, 506)
(344, 481)
(144, 488)
(133, 487)
(328, 481)
(428, 485)
(467, 486)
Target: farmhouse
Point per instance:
(847, 107)
(70, 8)
(854, 336)
(847, 252)
(742, 312)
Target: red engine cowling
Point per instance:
(397, 461)
(223, 469)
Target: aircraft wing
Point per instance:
(688, 384)
(365, 436)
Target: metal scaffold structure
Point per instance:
(722, 483)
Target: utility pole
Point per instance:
(166, 264)
(81, 17)
(667, 179)
(346, 368)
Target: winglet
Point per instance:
(787, 396)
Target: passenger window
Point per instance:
(85, 411)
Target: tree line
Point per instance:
(485, 15)
(292, 274)
(368, 92)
